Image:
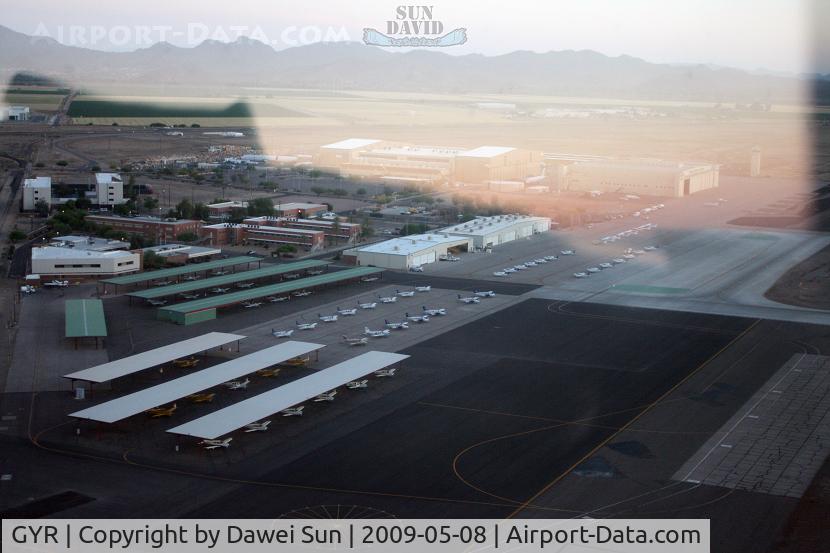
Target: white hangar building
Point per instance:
(408, 251)
(486, 232)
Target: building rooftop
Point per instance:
(351, 144)
(486, 225)
(406, 245)
(107, 178)
(233, 203)
(38, 182)
(486, 151)
(282, 230)
(418, 151)
(52, 252)
(297, 205)
(145, 219)
(168, 250)
(90, 243)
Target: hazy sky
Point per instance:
(749, 34)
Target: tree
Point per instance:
(318, 190)
(16, 235)
(184, 209)
(62, 163)
(261, 206)
(121, 209)
(137, 242)
(366, 228)
(187, 237)
(151, 204)
(152, 260)
(42, 208)
(201, 211)
(360, 192)
(286, 248)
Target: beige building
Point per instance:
(641, 177)
(497, 164)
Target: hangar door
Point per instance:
(508, 236)
(423, 259)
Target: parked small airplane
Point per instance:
(370, 305)
(276, 299)
(520, 267)
(245, 285)
(257, 426)
(357, 384)
(423, 288)
(405, 293)
(218, 290)
(362, 341)
(469, 299)
(618, 260)
(593, 269)
(251, 304)
(376, 333)
(296, 362)
(291, 276)
(157, 303)
(386, 372)
(306, 326)
(434, 312)
(551, 257)
(529, 263)
(28, 289)
(605, 265)
(650, 248)
(400, 325)
(327, 318)
(57, 283)
(302, 293)
(567, 252)
(238, 384)
(162, 282)
(346, 312)
(417, 269)
(293, 411)
(484, 293)
(273, 371)
(315, 272)
(580, 275)
(159, 412)
(190, 296)
(190, 277)
(328, 396)
(216, 444)
(369, 279)
(500, 274)
(186, 363)
(219, 273)
(282, 333)
(201, 398)
(387, 299)
(417, 318)
(540, 260)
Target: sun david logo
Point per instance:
(414, 26)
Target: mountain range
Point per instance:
(349, 65)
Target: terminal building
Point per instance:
(106, 191)
(84, 256)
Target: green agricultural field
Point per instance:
(165, 110)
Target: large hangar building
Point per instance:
(408, 251)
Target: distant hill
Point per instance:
(356, 66)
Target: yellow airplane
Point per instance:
(185, 363)
(201, 398)
(268, 372)
(158, 412)
(297, 362)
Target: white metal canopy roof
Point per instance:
(138, 402)
(153, 357)
(253, 409)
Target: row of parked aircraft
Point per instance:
(296, 411)
(628, 254)
(507, 271)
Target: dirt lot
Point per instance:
(805, 285)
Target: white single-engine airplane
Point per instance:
(190, 277)
(469, 299)
(383, 373)
(282, 333)
(306, 326)
(162, 282)
(484, 293)
(387, 299)
(257, 426)
(251, 304)
(219, 290)
(57, 283)
(293, 411)
(376, 333)
(190, 296)
(302, 293)
(357, 384)
(369, 305)
(418, 318)
(276, 299)
(327, 318)
(157, 303)
(245, 285)
(216, 444)
(369, 279)
(434, 312)
(423, 288)
(347, 312)
(405, 293)
(399, 325)
(362, 341)
(328, 396)
(238, 384)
